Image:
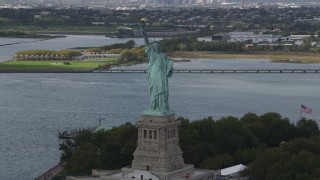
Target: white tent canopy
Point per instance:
(233, 169)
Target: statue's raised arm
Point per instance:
(143, 24)
(159, 69)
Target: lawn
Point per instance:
(52, 65)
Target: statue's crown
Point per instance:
(156, 41)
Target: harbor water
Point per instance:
(34, 108)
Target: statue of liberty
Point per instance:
(159, 69)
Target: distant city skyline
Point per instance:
(148, 2)
(165, 1)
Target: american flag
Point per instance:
(306, 109)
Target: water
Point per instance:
(34, 108)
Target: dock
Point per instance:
(72, 134)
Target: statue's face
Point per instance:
(156, 47)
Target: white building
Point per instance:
(233, 170)
(296, 39)
(251, 36)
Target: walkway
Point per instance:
(51, 172)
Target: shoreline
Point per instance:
(274, 57)
(32, 36)
(178, 56)
(43, 71)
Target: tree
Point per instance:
(218, 161)
(306, 45)
(93, 50)
(290, 161)
(47, 54)
(134, 54)
(249, 118)
(130, 44)
(262, 12)
(215, 144)
(127, 45)
(307, 127)
(280, 129)
(69, 53)
(84, 158)
(67, 149)
(127, 55)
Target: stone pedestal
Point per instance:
(158, 144)
(158, 155)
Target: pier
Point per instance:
(214, 71)
(72, 134)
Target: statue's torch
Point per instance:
(143, 21)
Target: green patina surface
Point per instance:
(159, 70)
(157, 112)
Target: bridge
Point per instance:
(214, 71)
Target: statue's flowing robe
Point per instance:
(159, 69)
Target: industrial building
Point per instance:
(246, 37)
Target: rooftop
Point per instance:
(233, 169)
